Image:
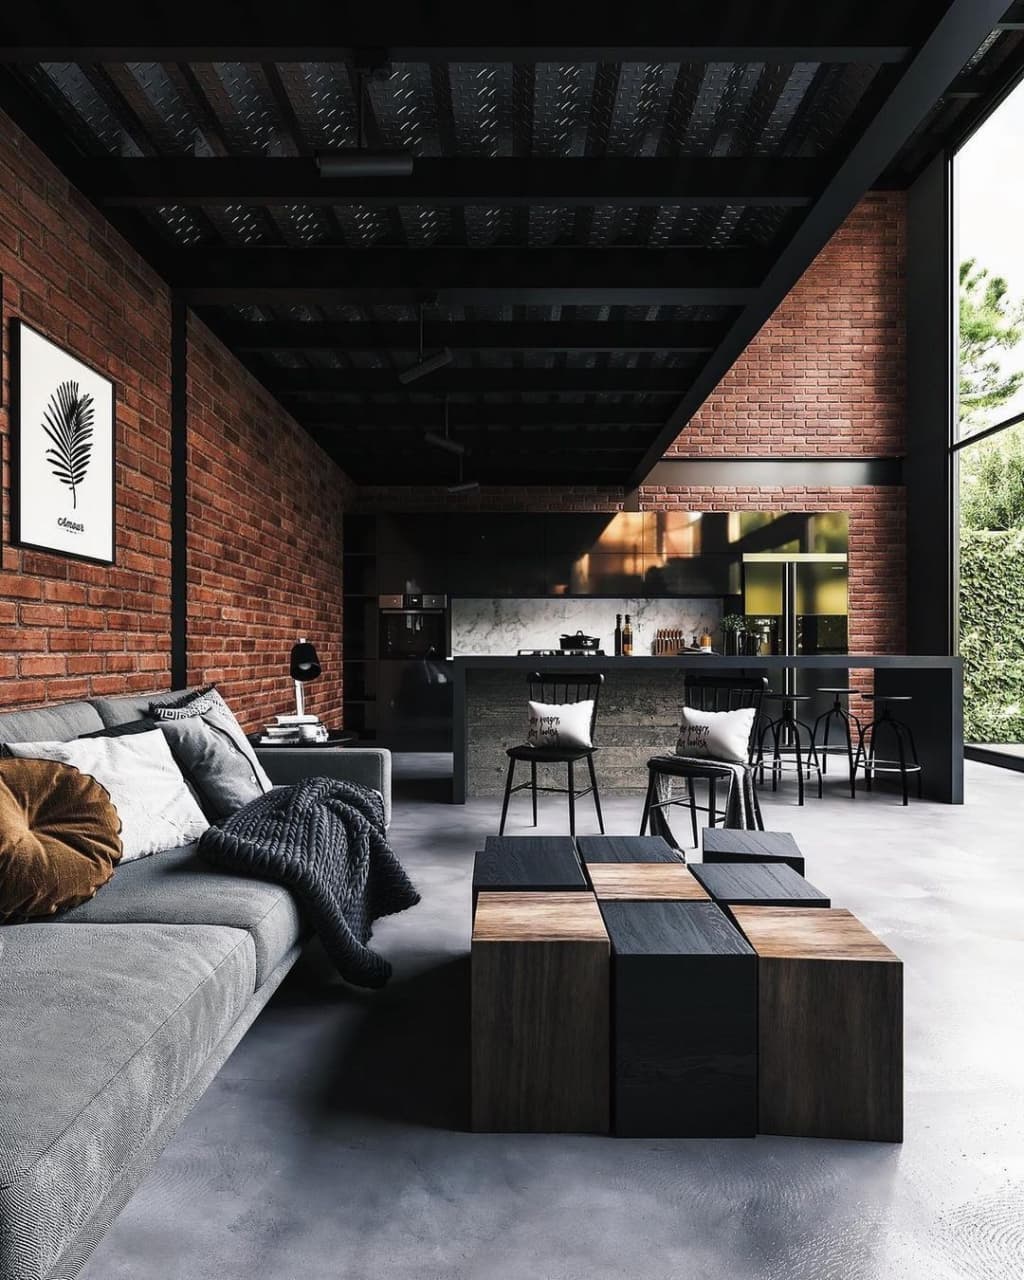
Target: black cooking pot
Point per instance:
(580, 641)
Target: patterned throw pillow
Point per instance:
(199, 705)
(716, 735)
(208, 704)
(560, 726)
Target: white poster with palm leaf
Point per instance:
(64, 450)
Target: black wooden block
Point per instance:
(626, 849)
(724, 844)
(684, 1018)
(757, 884)
(541, 863)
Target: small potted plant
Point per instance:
(733, 627)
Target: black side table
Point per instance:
(337, 739)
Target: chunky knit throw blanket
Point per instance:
(325, 841)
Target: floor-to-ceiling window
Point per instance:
(989, 443)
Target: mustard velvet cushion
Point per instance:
(60, 837)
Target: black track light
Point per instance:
(425, 364)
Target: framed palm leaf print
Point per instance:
(62, 482)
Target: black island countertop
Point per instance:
(641, 697)
(709, 661)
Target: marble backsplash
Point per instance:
(501, 627)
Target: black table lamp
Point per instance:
(305, 665)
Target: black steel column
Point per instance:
(179, 496)
(931, 369)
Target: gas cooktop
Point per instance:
(561, 653)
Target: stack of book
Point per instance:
(288, 729)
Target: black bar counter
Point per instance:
(641, 699)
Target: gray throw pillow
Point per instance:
(211, 707)
(211, 761)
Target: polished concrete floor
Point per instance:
(333, 1143)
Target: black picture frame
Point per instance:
(18, 330)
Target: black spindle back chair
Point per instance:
(707, 693)
(558, 687)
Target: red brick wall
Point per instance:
(264, 519)
(70, 629)
(826, 373)
(265, 504)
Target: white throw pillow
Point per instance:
(716, 735)
(156, 808)
(562, 725)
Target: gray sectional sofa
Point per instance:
(116, 1016)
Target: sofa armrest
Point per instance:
(369, 765)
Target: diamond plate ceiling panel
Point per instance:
(241, 102)
(641, 104)
(179, 127)
(485, 227)
(561, 107)
(482, 108)
(405, 110)
(67, 88)
(182, 226)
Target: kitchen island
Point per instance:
(641, 699)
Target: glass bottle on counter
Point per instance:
(618, 635)
(627, 638)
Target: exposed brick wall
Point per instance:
(265, 505)
(264, 525)
(70, 629)
(826, 374)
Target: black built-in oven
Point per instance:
(413, 626)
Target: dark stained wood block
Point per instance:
(830, 1003)
(725, 844)
(645, 882)
(547, 863)
(764, 884)
(684, 998)
(626, 849)
(539, 1010)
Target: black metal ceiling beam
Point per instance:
(291, 382)
(446, 183)
(461, 30)
(342, 417)
(520, 447)
(488, 277)
(956, 36)
(695, 337)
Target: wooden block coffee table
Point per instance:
(645, 882)
(626, 849)
(684, 999)
(757, 884)
(540, 1014)
(724, 844)
(830, 1006)
(542, 863)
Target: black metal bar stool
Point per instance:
(560, 687)
(848, 724)
(787, 750)
(901, 736)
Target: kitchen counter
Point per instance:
(641, 697)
